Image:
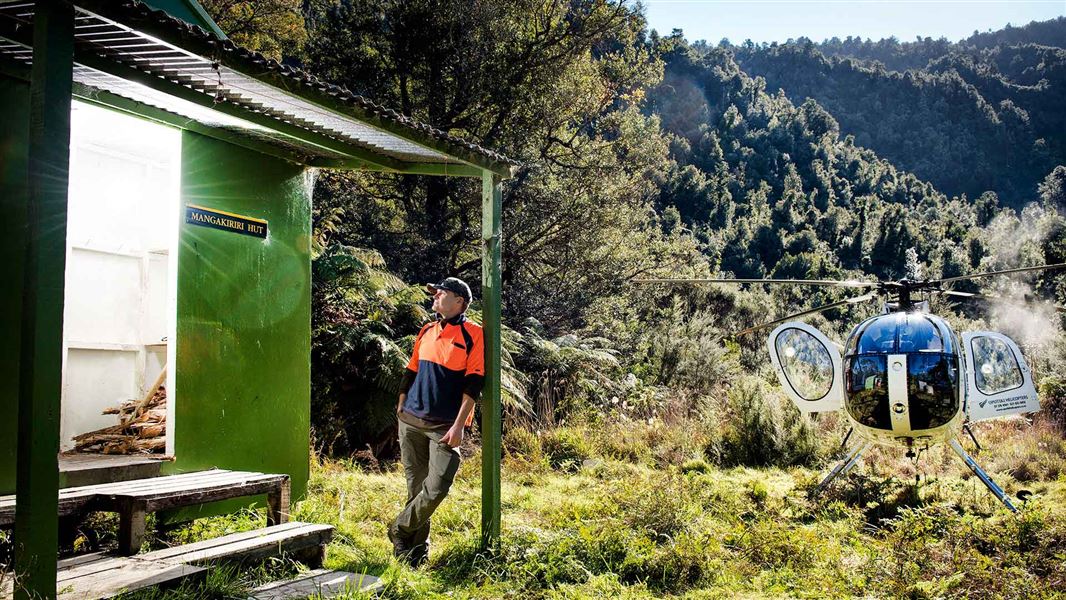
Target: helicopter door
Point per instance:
(998, 382)
(808, 365)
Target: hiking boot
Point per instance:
(401, 546)
(417, 556)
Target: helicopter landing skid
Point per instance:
(843, 466)
(980, 473)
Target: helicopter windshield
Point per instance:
(867, 390)
(902, 333)
(878, 336)
(932, 389)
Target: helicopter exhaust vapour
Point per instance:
(1035, 327)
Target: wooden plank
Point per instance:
(169, 487)
(319, 583)
(103, 563)
(185, 481)
(175, 551)
(165, 488)
(177, 499)
(97, 488)
(165, 480)
(261, 543)
(73, 465)
(127, 576)
(73, 561)
(65, 507)
(108, 576)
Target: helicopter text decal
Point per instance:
(1004, 404)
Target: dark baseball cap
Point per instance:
(454, 285)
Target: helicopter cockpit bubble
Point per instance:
(901, 373)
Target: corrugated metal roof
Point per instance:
(128, 50)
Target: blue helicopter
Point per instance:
(904, 377)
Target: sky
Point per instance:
(779, 20)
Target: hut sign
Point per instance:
(217, 219)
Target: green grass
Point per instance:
(579, 522)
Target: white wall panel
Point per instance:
(122, 224)
(96, 379)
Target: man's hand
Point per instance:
(399, 406)
(454, 437)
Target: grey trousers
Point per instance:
(430, 467)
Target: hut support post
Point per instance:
(491, 409)
(41, 353)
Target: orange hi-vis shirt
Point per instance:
(448, 360)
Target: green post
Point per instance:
(41, 355)
(491, 418)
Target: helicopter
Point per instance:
(904, 378)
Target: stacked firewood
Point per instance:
(141, 428)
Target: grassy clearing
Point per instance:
(637, 512)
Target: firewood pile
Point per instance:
(141, 428)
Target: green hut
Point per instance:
(156, 185)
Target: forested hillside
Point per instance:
(985, 114)
(646, 155)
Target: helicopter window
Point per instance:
(918, 334)
(879, 336)
(807, 363)
(866, 394)
(996, 367)
(947, 335)
(932, 389)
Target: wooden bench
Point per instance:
(133, 500)
(72, 501)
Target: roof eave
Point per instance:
(301, 84)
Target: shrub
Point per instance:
(520, 442)
(564, 448)
(1053, 391)
(695, 465)
(659, 509)
(764, 429)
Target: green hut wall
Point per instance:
(243, 378)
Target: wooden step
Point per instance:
(319, 583)
(93, 469)
(104, 576)
(306, 540)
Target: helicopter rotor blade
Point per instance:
(818, 282)
(810, 311)
(973, 296)
(1004, 272)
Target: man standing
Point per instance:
(444, 377)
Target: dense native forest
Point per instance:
(649, 155)
(648, 451)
